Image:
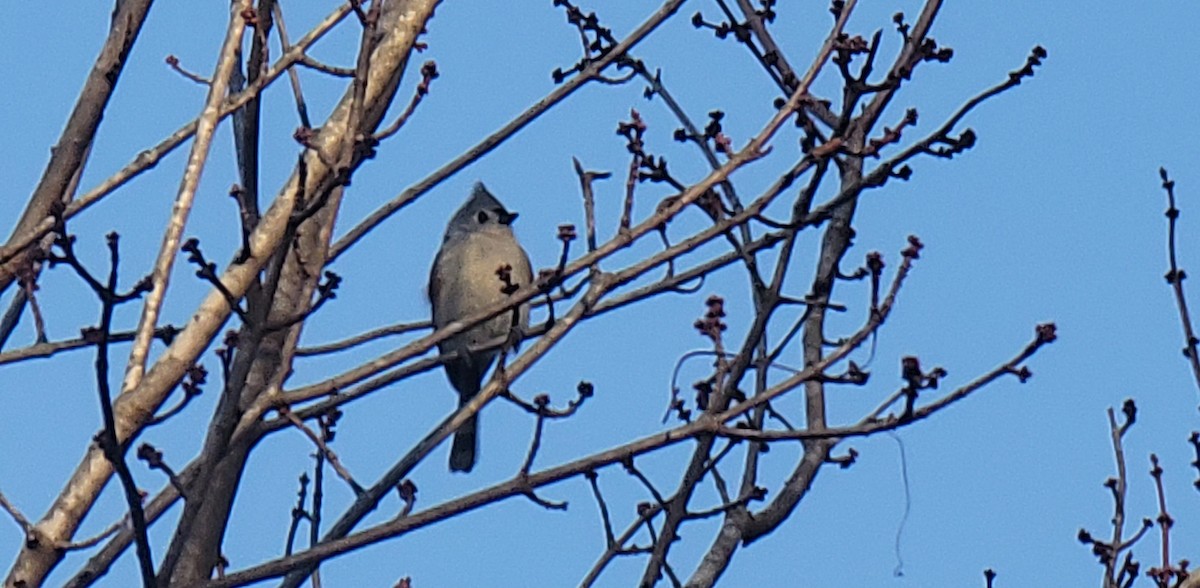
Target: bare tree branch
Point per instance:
(70, 153)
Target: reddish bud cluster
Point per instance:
(632, 130)
(407, 490)
(250, 16)
(1047, 332)
(429, 72)
(504, 272)
(585, 389)
(910, 370)
(151, 455)
(913, 251)
(875, 263)
(195, 378)
(304, 136)
(711, 325)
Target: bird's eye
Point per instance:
(481, 217)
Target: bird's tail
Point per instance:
(462, 452)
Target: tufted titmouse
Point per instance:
(463, 281)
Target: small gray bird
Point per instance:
(464, 280)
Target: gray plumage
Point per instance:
(478, 241)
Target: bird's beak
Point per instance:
(507, 218)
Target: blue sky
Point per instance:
(1056, 215)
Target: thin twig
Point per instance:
(429, 73)
(16, 514)
(50, 348)
(367, 337)
(110, 441)
(313, 64)
(94, 540)
(594, 482)
(324, 448)
(617, 547)
(589, 200)
(1175, 277)
(298, 515)
(12, 316)
(293, 75)
(173, 63)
